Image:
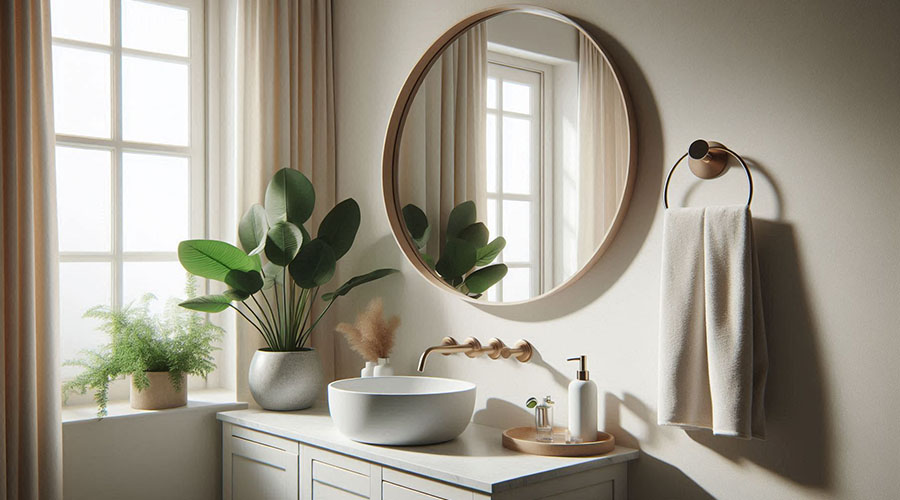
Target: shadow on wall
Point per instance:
(799, 442)
(642, 208)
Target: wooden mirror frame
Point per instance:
(398, 119)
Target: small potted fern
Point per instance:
(156, 353)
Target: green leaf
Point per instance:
(461, 217)
(457, 259)
(428, 259)
(236, 294)
(283, 241)
(531, 403)
(314, 265)
(214, 259)
(416, 224)
(476, 234)
(339, 227)
(356, 281)
(484, 278)
(252, 229)
(248, 282)
(486, 254)
(207, 303)
(274, 274)
(289, 197)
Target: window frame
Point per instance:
(195, 151)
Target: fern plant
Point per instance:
(179, 342)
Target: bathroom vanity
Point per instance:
(281, 455)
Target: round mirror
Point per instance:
(509, 157)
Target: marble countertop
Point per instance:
(475, 460)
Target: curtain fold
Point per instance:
(442, 155)
(276, 110)
(602, 148)
(30, 407)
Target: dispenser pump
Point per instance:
(582, 373)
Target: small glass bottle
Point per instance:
(543, 420)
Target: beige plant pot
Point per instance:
(161, 393)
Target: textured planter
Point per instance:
(160, 395)
(289, 380)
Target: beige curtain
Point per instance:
(602, 148)
(30, 423)
(442, 156)
(276, 110)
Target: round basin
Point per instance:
(401, 410)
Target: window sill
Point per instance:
(211, 400)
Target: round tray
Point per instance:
(523, 439)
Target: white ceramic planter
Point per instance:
(160, 395)
(289, 380)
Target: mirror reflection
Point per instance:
(514, 157)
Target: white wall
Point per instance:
(807, 90)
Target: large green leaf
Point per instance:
(484, 278)
(252, 229)
(207, 303)
(248, 282)
(476, 234)
(486, 254)
(461, 217)
(314, 265)
(356, 281)
(274, 274)
(457, 258)
(417, 225)
(214, 259)
(283, 241)
(339, 227)
(289, 197)
(233, 294)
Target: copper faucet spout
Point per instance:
(449, 346)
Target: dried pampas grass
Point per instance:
(371, 336)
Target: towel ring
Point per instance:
(707, 161)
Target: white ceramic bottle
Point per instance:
(384, 368)
(368, 370)
(582, 405)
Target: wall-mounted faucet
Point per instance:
(472, 348)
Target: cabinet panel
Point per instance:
(425, 486)
(256, 471)
(391, 491)
(341, 478)
(321, 491)
(257, 480)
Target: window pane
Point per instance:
(82, 285)
(517, 231)
(491, 221)
(156, 101)
(155, 202)
(491, 152)
(155, 28)
(165, 280)
(517, 155)
(492, 93)
(84, 20)
(516, 97)
(517, 284)
(81, 95)
(83, 195)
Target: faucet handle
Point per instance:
(475, 347)
(522, 350)
(448, 341)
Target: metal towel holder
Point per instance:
(707, 161)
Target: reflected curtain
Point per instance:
(276, 109)
(442, 148)
(30, 407)
(602, 148)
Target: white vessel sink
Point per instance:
(401, 410)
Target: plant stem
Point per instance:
(258, 320)
(284, 310)
(262, 311)
(312, 327)
(269, 305)
(249, 321)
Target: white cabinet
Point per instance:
(258, 466)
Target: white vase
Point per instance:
(384, 368)
(368, 370)
(286, 380)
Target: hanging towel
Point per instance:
(712, 349)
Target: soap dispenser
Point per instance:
(582, 405)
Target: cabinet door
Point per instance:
(397, 485)
(258, 466)
(333, 476)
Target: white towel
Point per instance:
(712, 348)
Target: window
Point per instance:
(515, 148)
(128, 89)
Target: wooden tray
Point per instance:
(523, 439)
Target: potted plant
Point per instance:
(157, 353)
(277, 297)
